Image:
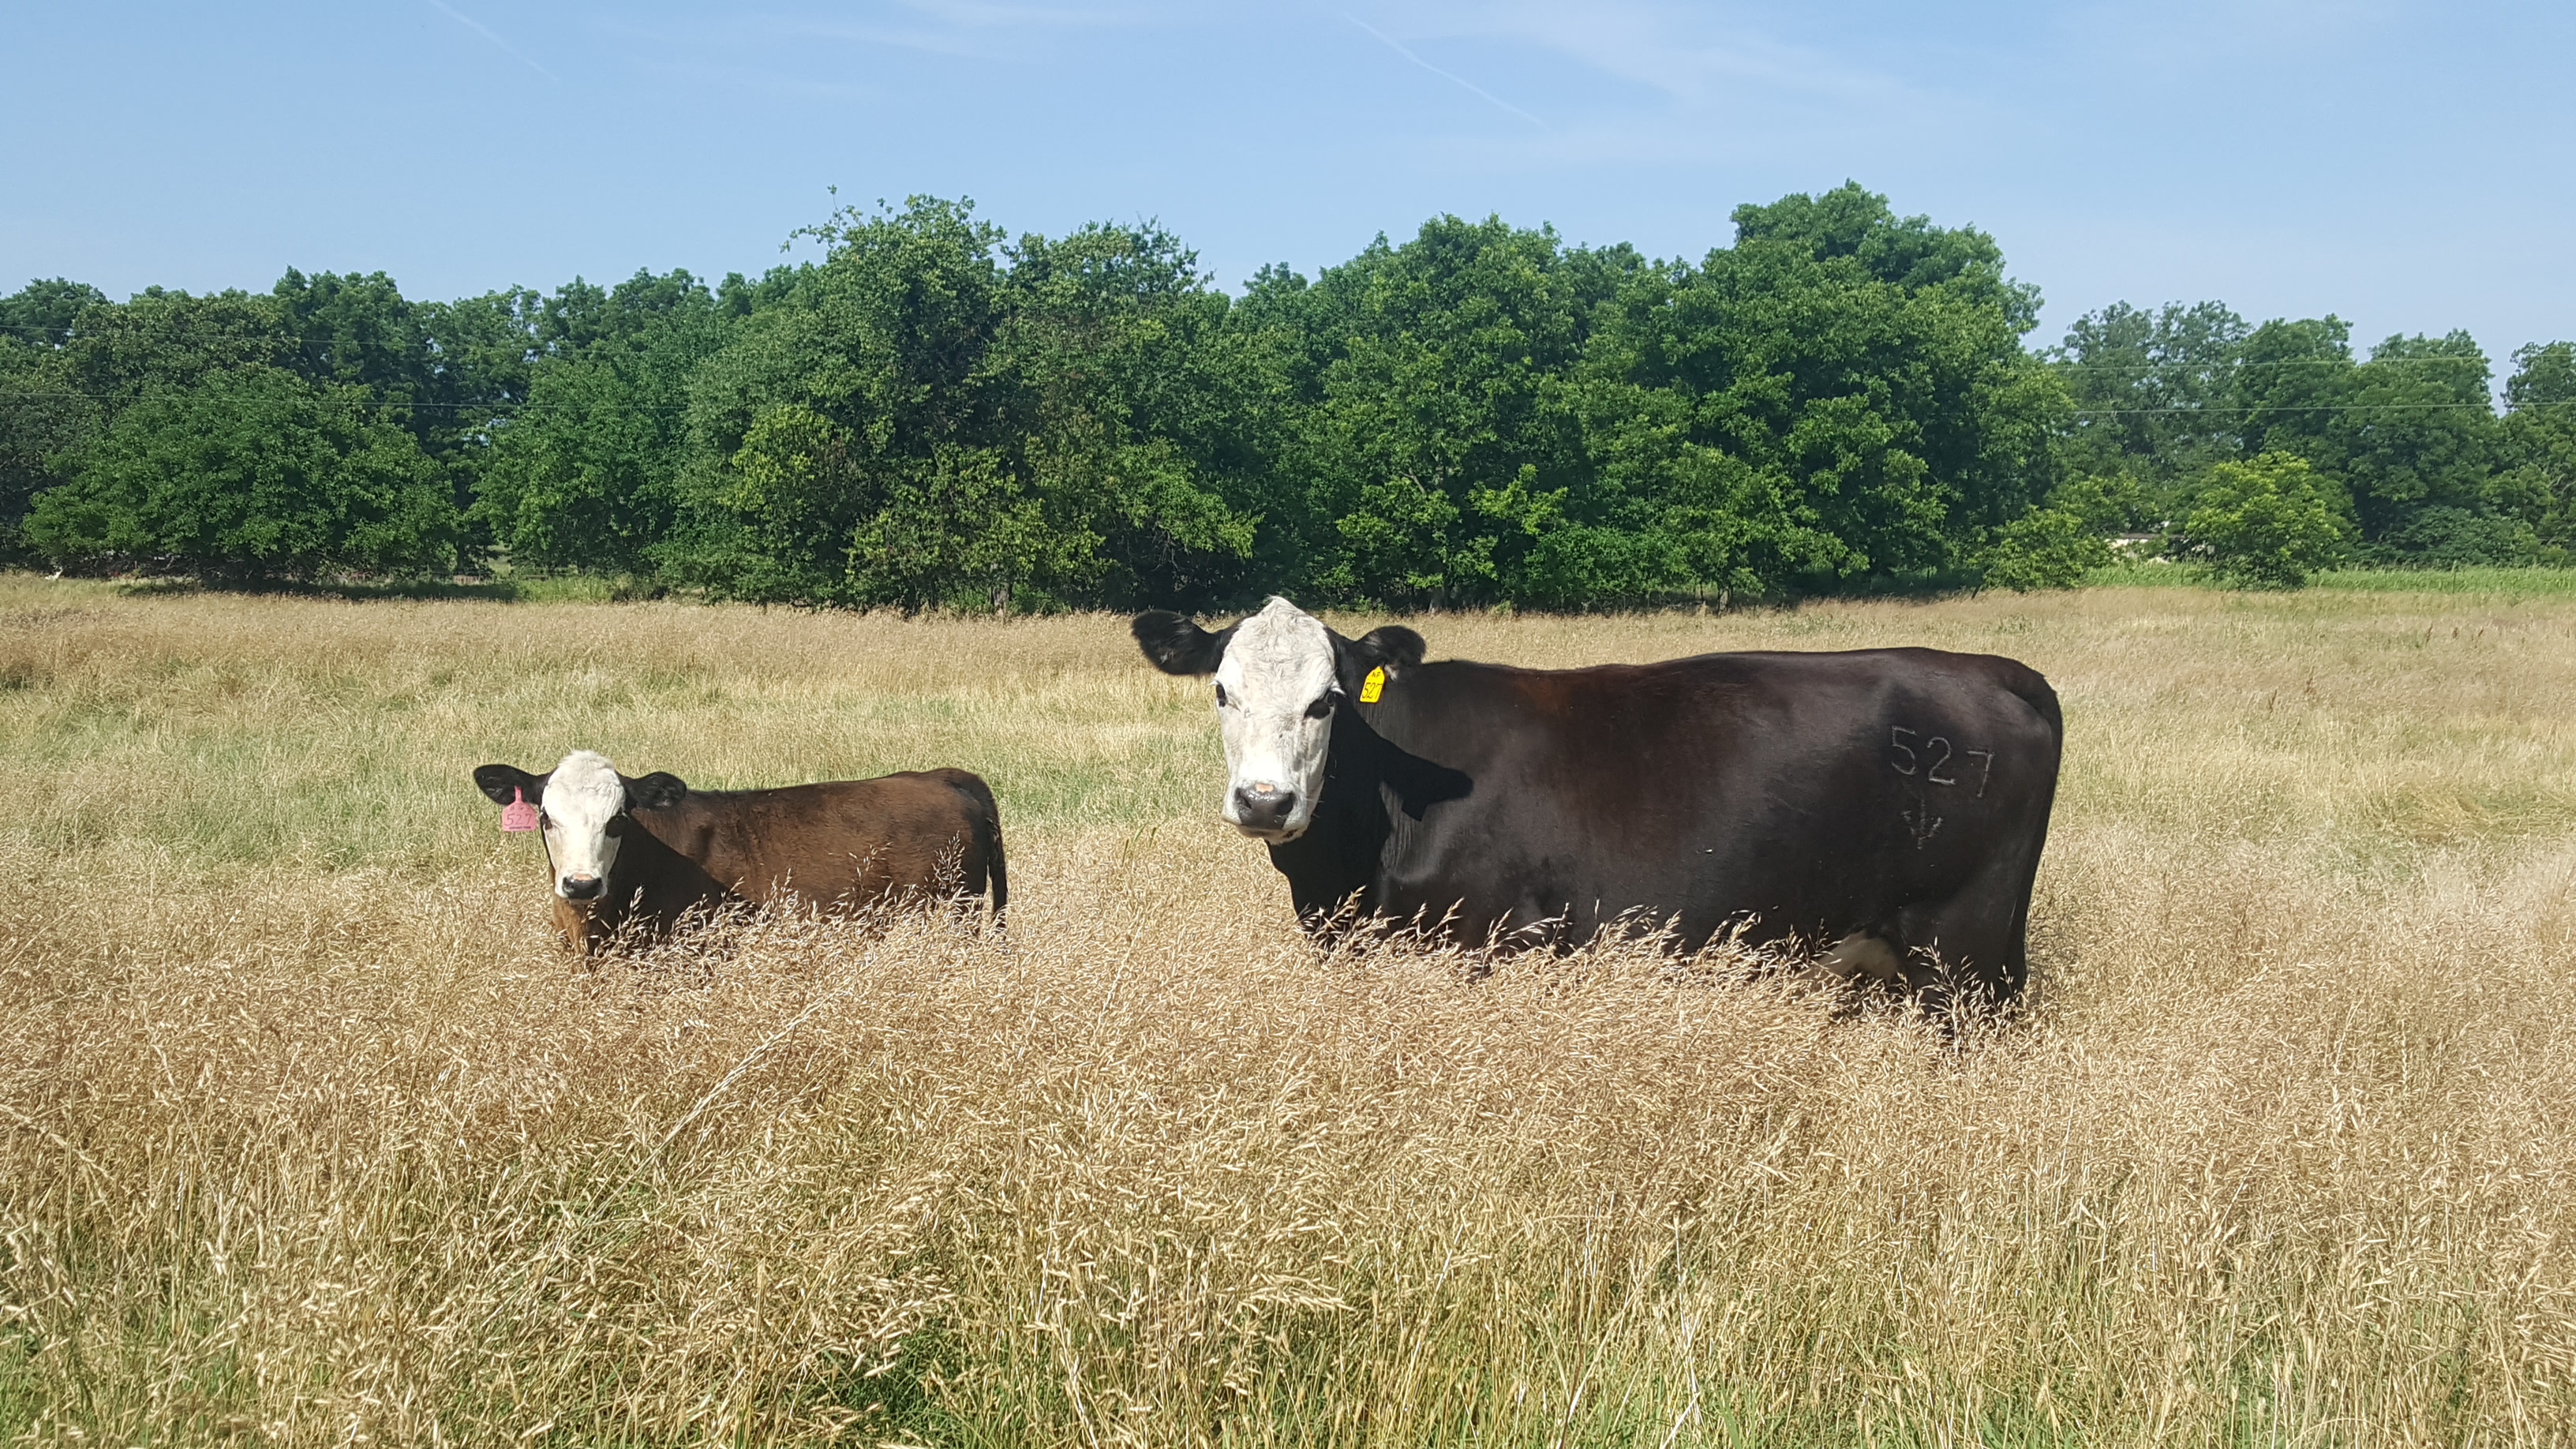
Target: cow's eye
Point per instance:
(545, 821)
(616, 825)
(1220, 696)
(1322, 708)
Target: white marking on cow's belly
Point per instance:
(1861, 954)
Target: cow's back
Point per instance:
(916, 834)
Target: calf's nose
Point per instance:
(1263, 806)
(582, 887)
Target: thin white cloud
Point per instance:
(965, 28)
(927, 40)
(1398, 48)
(1683, 53)
(479, 28)
(1690, 84)
(757, 79)
(2216, 44)
(987, 14)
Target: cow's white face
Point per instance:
(584, 815)
(1275, 694)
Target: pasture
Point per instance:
(310, 1134)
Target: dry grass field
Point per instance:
(310, 1135)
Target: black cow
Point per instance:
(1885, 805)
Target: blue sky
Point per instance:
(2406, 165)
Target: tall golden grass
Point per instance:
(309, 1134)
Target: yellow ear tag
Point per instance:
(1373, 686)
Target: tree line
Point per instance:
(2274, 449)
(936, 414)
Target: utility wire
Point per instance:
(504, 409)
(73, 332)
(2288, 408)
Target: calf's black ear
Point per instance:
(497, 782)
(655, 791)
(1178, 646)
(1392, 645)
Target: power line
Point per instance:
(2219, 370)
(72, 333)
(504, 409)
(383, 402)
(67, 335)
(2288, 408)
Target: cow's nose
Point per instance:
(1264, 806)
(582, 887)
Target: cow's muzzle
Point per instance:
(582, 887)
(1263, 810)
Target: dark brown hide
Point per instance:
(921, 836)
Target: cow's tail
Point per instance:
(1001, 870)
(988, 831)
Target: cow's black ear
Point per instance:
(657, 791)
(1392, 645)
(497, 782)
(1178, 646)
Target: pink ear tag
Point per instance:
(518, 814)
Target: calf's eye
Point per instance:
(1220, 696)
(616, 825)
(1322, 707)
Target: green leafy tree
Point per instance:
(2291, 378)
(485, 356)
(1863, 380)
(583, 476)
(935, 414)
(738, 296)
(1484, 415)
(2536, 444)
(2268, 522)
(2108, 504)
(932, 418)
(482, 370)
(442, 371)
(44, 421)
(2410, 433)
(251, 474)
(451, 372)
(2152, 391)
(360, 331)
(2419, 434)
(43, 313)
(1136, 394)
(841, 403)
(2544, 378)
(160, 340)
(1440, 441)
(2046, 548)
(585, 473)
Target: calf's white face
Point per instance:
(584, 814)
(1275, 693)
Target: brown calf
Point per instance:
(636, 855)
